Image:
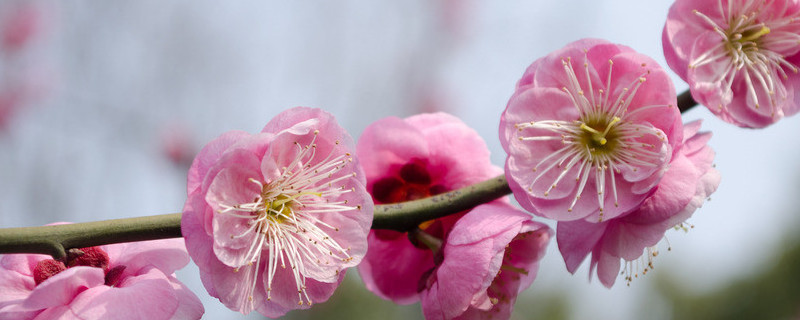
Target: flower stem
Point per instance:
(56, 240)
(685, 101)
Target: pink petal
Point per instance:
(576, 239)
(390, 280)
(166, 255)
(61, 288)
(386, 145)
(189, 306)
(460, 154)
(148, 296)
(21, 263)
(209, 155)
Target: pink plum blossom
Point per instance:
(273, 219)
(133, 280)
(740, 57)
(589, 131)
(690, 179)
(421, 156)
(491, 255)
(19, 23)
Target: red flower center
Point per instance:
(87, 257)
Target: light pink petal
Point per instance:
(21, 263)
(526, 250)
(189, 306)
(198, 245)
(472, 258)
(460, 156)
(523, 253)
(166, 255)
(285, 296)
(607, 268)
(61, 288)
(148, 296)
(551, 73)
(576, 239)
(388, 144)
(388, 279)
(486, 221)
(460, 277)
(675, 190)
(209, 155)
(232, 234)
(14, 288)
(680, 31)
(57, 313)
(233, 287)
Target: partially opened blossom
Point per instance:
(273, 219)
(120, 281)
(421, 156)
(740, 57)
(690, 179)
(589, 131)
(491, 255)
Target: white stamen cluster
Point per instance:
(283, 221)
(750, 46)
(601, 142)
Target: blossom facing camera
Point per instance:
(589, 132)
(104, 282)
(467, 265)
(632, 238)
(273, 219)
(740, 57)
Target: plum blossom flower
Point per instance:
(273, 219)
(632, 238)
(105, 282)
(491, 255)
(740, 57)
(458, 256)
(589, 131)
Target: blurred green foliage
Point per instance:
(774, 293)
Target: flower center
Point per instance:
(599, 135)
(599, 144)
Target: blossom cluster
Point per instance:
(595, 143)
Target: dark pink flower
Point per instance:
(120, 281)
(407, 159)
(274, 219)
(424, 155)
(740, 57)
(589, 131)
(690, 179)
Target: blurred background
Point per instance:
(103, 105)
